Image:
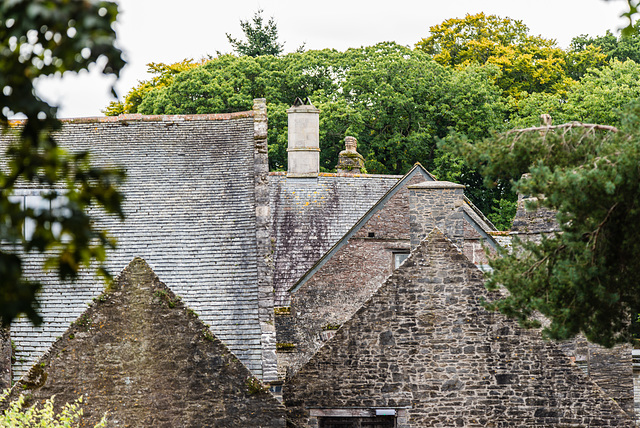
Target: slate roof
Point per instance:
(191, 214)
(311, 214)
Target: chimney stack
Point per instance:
(304, 140)
(436, 204)
(349, 160)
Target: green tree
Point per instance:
(396, 101)
(527, 63)
(262, 38)
(620, 48)
(163, 76)
(599, 97)
(583, 279)
(43, 38)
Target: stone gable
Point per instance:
(424, 346)
(348, 275)
(345, 280)
(146, 359)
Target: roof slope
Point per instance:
(143, 357)
(311, 214)
(191, 213)
(424, 342)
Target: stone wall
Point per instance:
(265, 245)
(611, 369)
(139, 354)
(352, 274)
(437, 204)
(542, 220)
(425, 345)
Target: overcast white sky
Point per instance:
(169, 31)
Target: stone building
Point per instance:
(280, 265)
(143, 358)
(422, 351)
(335, 287)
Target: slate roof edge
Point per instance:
(469, 214)
(335, 174)
(148, 118)
(490, 227)
(363, 220)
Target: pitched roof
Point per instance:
(425, 344)
(190, 212)
(143, 357)
(311, 214)
(470, 213)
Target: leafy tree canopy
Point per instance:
(261, 37)
(43, 38)
(163, 75)
(528, 63)
(395, 100)
(599, 97)
(399, 102)
(620, 48)
(583, 279)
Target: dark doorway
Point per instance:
(376, 422)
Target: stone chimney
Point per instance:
(304, 140)
(349, 160)
(436, 204)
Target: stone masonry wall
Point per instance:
(424, 344)
(141, 355)
(474, 245)
(611, 369)
(437, 204)
(334, 293)
(265, 245)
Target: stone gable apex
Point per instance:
(141, 355)
(417, 171)
(424, 345)
(471, 214)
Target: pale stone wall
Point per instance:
(304, 141)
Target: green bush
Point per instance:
(18, 416)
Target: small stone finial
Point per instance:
(349, 160)
(546, 120)
(350, 144)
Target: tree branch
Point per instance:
(567, 126)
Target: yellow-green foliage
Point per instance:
(163, 76)
(44, 416)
